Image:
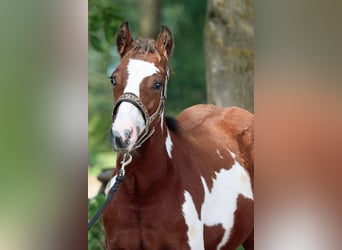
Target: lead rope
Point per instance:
(127, 159)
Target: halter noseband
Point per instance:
(133, 99)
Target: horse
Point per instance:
(188, 181)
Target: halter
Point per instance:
(149, 119)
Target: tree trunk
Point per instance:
(149, 18)
(229, 53)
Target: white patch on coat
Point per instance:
(162, 123)
(231, 153)
(219, 204)
(195, 226)
(219, 154)
(138, 70)
(168, 144)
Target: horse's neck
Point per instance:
(150, 164)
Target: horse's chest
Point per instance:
(141, 224)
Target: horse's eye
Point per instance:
(112, 80)
(157, 85)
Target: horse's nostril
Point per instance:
(126, 143)
(128, 133)
(118, 140)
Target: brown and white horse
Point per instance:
(189, 183)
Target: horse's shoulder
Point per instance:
(196, 116)
(204, 116)
(215, 127)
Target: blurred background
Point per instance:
(45, 64)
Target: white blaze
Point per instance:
(137, 71)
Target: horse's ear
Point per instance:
(123, 38)
(165, 41)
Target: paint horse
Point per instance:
(189, 182)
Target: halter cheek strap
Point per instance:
(133, 99)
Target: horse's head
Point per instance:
(140, 83)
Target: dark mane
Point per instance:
(172, 124)
(142, 45)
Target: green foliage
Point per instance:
(187, 83)
(96, 233)
(100, 102)
(100, 161)
(104, 18)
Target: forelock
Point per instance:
(144, 46)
